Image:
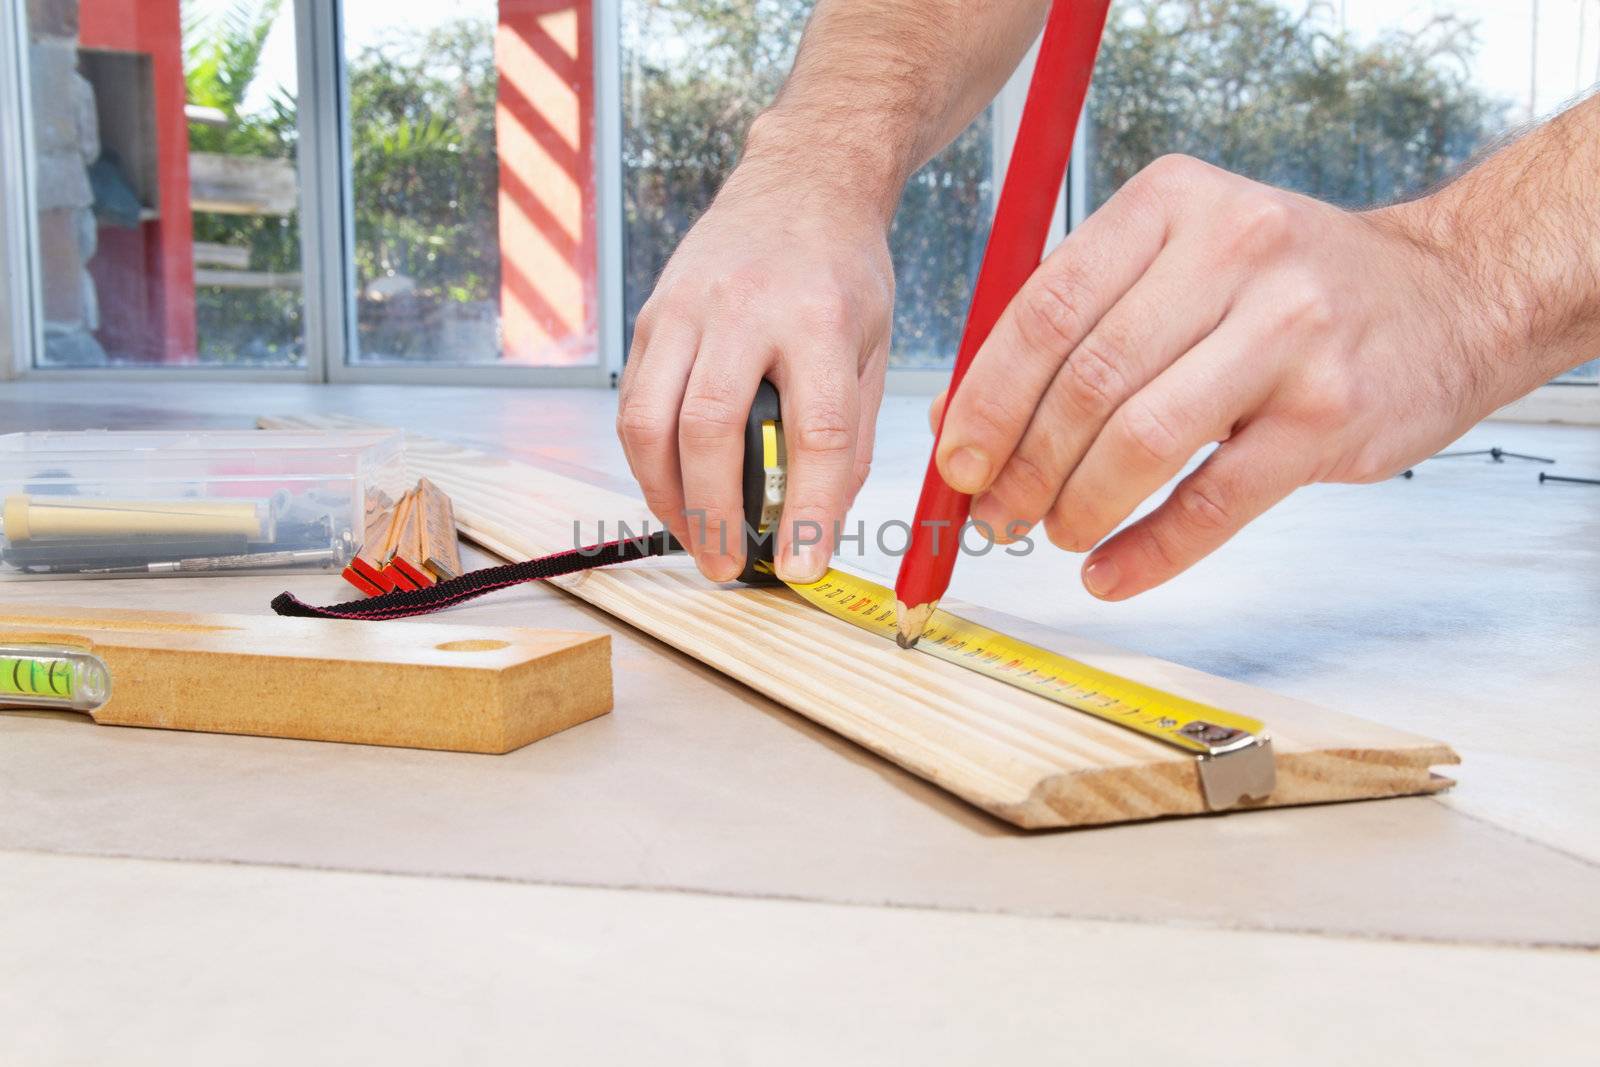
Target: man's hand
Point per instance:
(778, 280)
(787, 276)
(1195, 307)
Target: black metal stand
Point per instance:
(1496, 454)
(1543, 477)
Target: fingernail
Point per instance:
(1100, 577)
(995, 517)
(968, 470)
(719, 568)
(1012, 532)
(985, 519)
(802, 564)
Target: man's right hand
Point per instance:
(786, 277)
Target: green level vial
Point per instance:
(51, 677)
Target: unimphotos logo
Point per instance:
(892, 538)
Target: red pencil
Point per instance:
(1016, 244)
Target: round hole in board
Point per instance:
(477, 645)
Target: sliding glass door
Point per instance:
(164, 184)
(484, 191)
(472, 168)
(360, 190)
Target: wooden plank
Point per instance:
(423, 685)
(440, 552)
(365, 570)
(231, 257)
(395, 538)
(242, 185)
(408, 554)
(1021, 757)
(247, 279)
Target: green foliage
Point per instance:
(1246, 84)
(695, 73)
(1261, 91)
(222, 52)
(425, 176)
(222, 57)
(426, 180)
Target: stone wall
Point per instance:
(66, 143)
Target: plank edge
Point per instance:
(1104, 796)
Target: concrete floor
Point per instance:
(1454, 604)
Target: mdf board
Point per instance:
(418, 685)
(1019, 756)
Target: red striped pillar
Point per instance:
(544, 128)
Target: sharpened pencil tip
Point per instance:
(910, 622)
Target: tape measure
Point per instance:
(47, 677)
(765, 464)
(1233, 752)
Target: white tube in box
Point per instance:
(119, 504)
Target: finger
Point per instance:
(716, 406)
(633, 364)
(870, 390)
(656, 310)
(1159, 429)
(936, 409)
(1160, 318)
(647, 420)
(1049, 318)
(1243, 478)
(821, 417)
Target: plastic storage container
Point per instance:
(113, 504)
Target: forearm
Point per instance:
(879, 86)
(1521, 231)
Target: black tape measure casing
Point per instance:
(758, 477)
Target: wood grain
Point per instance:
(422, 685)
(1023, 758)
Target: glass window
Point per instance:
(165, 180)
(694, 74)
(1357, 101)
(472, 136)
(1586, 374)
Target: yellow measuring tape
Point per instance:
(1233, 752)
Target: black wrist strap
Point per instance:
(407, 602)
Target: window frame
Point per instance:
(327, 223)
(320, 26)
(327, 226)
(21, 334)
(23, 284)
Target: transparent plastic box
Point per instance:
(120, 504)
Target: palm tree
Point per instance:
(222, 57)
